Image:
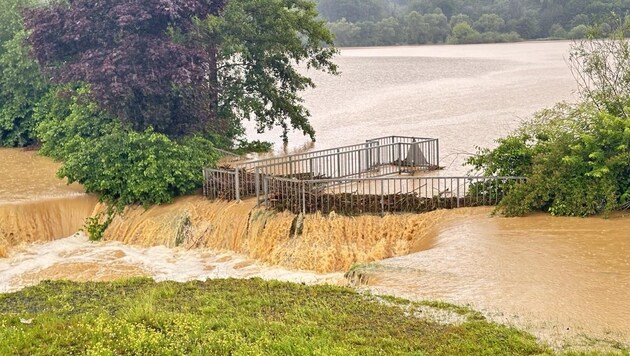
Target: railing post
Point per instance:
(257, 182)
(368, 157)
(391, 152)
(382, 198)
(290, 167)
(303, 197)
(437, 154)
(237, 186)
(266, 190)
(205, 182)
(359, 159)
(399, 158)
(496, 191)
(338, 164)
(458, 192)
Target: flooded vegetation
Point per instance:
(135, 103)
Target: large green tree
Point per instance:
(489, 23)
(21, 84)
(190, 66)
(140, 86)
(464, 33)
(264, 48)
(11, 18)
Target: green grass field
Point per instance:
(239, 317)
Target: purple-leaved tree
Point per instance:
(136, 56)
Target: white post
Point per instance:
(237, 194)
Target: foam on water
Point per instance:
(77, 258)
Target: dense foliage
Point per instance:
(122, 165)
(11, 18)
(135, 57)
(22, 86)
(133, 96)
(390, 22)
(187, 67)
(238, 317)
(576, 157)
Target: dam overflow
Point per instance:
(382, 175)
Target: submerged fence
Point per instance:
(372, 177)
(380, 195)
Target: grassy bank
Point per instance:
(236, 317)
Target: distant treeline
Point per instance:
(392, 22)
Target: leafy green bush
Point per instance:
(67, 117)
(576, 157)
(128, 167)
(123, 166)
(96, 225)
(464, 33)
(21, 87)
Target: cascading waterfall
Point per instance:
(313, 242)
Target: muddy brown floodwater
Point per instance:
(465, 95)
(25, 176)
(560, 278)
(567, 280)
(35, 205)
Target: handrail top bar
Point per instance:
(394, 136)
(330, 180)
(210, 169)
(227, 153)
(360, 149)
(257, 162)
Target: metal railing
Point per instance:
(371, 158)
(356, 179)
(376, 157)
(380, 195)
(368, 143)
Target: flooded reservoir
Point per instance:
(559, 278)
(465, 95)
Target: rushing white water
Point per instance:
(77, 258)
